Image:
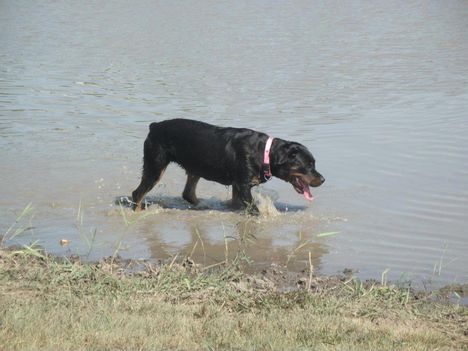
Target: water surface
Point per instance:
(377, 91)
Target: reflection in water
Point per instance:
(250, 238)
(214, 233)
(278, 236)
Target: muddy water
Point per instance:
(378, 92)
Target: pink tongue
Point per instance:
(307, 193)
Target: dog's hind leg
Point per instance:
(190, 187)
(154, 164)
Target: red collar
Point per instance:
(266, 159)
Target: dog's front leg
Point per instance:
(242, 198)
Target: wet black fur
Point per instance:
(230, 156)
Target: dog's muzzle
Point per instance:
(301, 183)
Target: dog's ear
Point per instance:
(287, 152)
(292, 152)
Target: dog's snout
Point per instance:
(319, 178)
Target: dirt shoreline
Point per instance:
(277, 277)
(274, 278)
(122, 304)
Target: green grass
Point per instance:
(50, 303)
(18, 228)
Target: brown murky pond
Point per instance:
(378, 92)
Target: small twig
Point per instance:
(214, 265)
(173, 260)
(311, 271)
(226, 250)
(202, 244)
(193, 249)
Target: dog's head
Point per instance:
(293, 163)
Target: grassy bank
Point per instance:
(47, 303)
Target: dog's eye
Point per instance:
(292, 154)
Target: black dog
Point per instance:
(230, 156)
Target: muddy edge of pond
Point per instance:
(272, 279)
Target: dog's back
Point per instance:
(200, 148)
